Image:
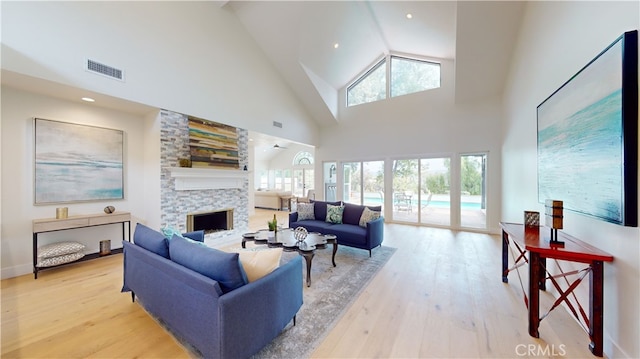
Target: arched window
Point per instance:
(303, 158)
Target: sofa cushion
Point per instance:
(352, 213)
(313, 225)
(305, 211)
(220, 266)
(367, 216)
(320, 209)
(334, 214)
(151, 240)
(349, 233)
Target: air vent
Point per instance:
(105, 70)
(277, 124)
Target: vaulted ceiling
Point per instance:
(299, 38)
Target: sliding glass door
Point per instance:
(473, 191)
(364, 183)
(351, 172)
(406, 186)
(435, 201)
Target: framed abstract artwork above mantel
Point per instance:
(76, 163)
(213, 144)
(588, 137)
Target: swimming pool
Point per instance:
(438, 204)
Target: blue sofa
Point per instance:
(224, 318)
(349, 232)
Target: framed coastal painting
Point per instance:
(588, 137)
(76, 163)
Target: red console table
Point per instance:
(535, 241)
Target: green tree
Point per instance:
(471, 175)
(405, 175)
(436, 183)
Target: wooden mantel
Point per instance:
(188, 178)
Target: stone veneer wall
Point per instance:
(174, 141)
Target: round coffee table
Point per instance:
(284, 239)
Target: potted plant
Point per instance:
(273, 224)
(273, 227)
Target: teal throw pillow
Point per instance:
(334, 214)
(170, 231)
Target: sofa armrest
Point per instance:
(252, 315)
(186, 301)
(375, 232)
(293, 217)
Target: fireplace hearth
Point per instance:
(210, 221)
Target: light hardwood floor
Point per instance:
(439, 296)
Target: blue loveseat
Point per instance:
(349, 232)
(224, 318)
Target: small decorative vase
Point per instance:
(184, 162)
(109, 209)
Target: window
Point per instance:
(372, 86)
(409, 76)
(473, 190)
(303, 158)
(405, 76)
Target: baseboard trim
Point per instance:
(16, 271)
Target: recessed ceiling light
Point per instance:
(336, 45)
(409, 16)
(88, 99)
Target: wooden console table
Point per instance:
(73, 222)
(535, 240)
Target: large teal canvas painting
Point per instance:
(75, 162)
(587, 137)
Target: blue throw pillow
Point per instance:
(151, 240)
(225, 268)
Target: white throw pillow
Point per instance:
(257, 263)
(306, 211)
(368, 216)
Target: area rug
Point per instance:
(332, 291)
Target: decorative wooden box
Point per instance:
(531, 219)
(553, 213)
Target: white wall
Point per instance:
(191, 57)
(18, 110)
(423, 124)
(556, 40)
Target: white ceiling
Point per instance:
(299, 36)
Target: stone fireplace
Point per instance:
(187, 191)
